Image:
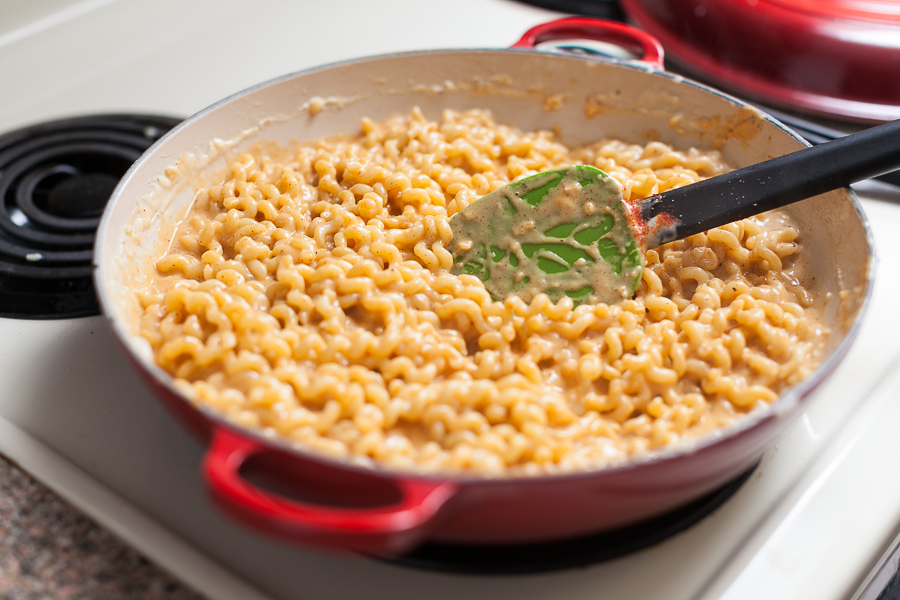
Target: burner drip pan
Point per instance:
(55, 180)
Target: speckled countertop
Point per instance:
(49, 550)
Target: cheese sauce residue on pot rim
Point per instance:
(309, 295)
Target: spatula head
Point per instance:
(565, 232)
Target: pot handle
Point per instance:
(634, 40)
(380, 530)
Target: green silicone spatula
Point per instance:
(569, 232)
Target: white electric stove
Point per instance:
(817, 519)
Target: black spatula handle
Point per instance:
(771, 184)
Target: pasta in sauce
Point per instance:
(308, 295)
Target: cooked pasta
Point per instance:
(308, 295)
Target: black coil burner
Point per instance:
(522, 559)
(55, 180)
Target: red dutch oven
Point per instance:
(282, 489)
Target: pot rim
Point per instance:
(787, 403)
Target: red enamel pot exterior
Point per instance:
(282, 490)
(837, 58)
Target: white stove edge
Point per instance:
(104, 506)
(887, 568)
(794, 548)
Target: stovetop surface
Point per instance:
(74, 414)
(97, 436)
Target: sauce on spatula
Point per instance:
(565, 232)
(568, 232)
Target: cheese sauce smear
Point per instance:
(564, 232)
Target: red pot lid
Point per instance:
(837, 58)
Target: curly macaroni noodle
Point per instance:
(308, 294)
